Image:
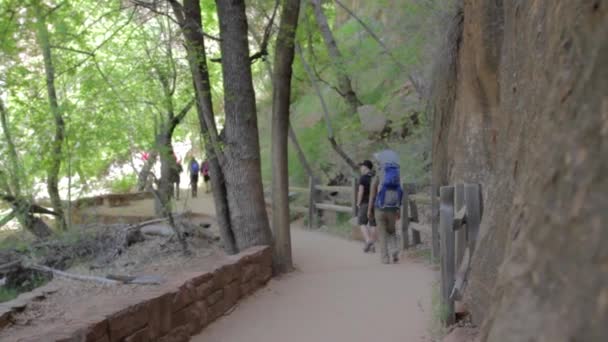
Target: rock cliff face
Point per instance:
(520, 105)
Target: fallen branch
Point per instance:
(137, 280)
(10, 266)
(158, 220)
(72, 276)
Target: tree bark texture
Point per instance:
(344, 81)
(167, 163)
(284, 55)
(190, 20)
(242, 149)
(144, 173)
(55, 165)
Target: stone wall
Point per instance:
(521, 107)
(171, 312)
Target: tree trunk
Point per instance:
(142, 178)
(281, 80)
(189, 18)
(15, 170)
(344, 82)
(24, 211)
(165, 184)
(242, 148)
(55, 165)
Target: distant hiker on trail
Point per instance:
(386, 195)
(176, 170)
(367, 224)
(194, 170)
(205, 172)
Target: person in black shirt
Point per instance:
(367, 225)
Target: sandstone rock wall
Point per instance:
(521, 106)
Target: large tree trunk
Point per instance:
(165, 184)
(344, 82)
(280, 127)
(189, 17)
(55, 165)
(144, 173)
(242, 149)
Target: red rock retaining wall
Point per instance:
(172, 312)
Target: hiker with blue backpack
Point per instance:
(194, 170)
(386, 195)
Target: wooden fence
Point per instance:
(460, 211)
(409, 208)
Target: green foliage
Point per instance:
(378, 80)
(7, 294)
(439, 313)
(123, 184)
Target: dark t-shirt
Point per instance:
(366, 181)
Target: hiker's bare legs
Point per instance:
(365, 233)
(371, 230)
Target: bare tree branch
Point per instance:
(92, 53)
(419, 87)
(151, 6)
(330, 131)
(263, 52)
(73, 50)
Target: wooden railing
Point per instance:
(409, 208)
(460, 211)
(315, 203)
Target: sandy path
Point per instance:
(338, 294)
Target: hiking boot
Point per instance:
(395, 257)
(372, 248)
(367, 247)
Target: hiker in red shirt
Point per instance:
(205, 173)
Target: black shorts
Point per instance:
(206, 178)
(362, 216)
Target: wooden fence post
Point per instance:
(446, 220)
(461, 236)
(472, 198)
(311, 202)
(435, 222)
(414, 218)
(355, 190)
(405, 219)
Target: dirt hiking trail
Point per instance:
(337, 293)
